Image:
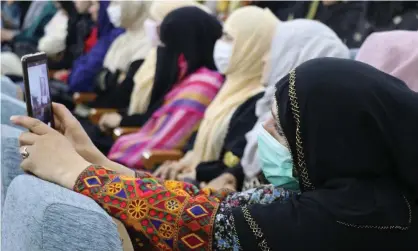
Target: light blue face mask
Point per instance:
(276, 161)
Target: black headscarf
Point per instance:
(358, 129)
(352, 131)
(189, 31)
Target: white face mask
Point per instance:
(115, 13)
(150, 27)
(222, 55)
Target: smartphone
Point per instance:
(35, 78)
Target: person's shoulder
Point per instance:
(207, 76)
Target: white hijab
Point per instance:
(294, 42)
(133, 44)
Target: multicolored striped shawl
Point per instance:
(174, 122)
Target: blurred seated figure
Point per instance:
(25, 40)
(124, 56)
(185, 76)
(346, 18)
(78, 27)
(53, 40)
(134, 91)
(240, 54)
(294, 43)
(392, 15)
(85, 68)
(13, 14)
(393, 52)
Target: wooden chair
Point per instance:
(151, 159)
(97, 113)
(120, 131)
(84, 97)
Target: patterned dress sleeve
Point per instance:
(224, 221)
(159, 215)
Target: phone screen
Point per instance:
(39, 91)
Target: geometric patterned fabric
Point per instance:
(159, 215)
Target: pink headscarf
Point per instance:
(394, 52)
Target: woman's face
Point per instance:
(273, 127)
(82, 6)
(94, 10)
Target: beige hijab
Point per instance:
(133, 44)
(252, 29)
(144, 77)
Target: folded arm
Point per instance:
(160, 214)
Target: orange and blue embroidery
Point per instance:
(172, 215)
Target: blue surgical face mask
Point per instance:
(276, 161)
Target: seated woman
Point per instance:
(294, 42)
(124, 57)
(355, 167)
(135, 91)
(25, 41)
(393, 52)
(186, 76)
(86, 67)
(77, 29)
(239, 54)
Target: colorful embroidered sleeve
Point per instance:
(161, 215)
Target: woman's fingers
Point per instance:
(27, 138)
(63, 118)
(174, 171)
(34, 125)
(162, 171)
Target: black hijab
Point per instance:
(352, 131)
(358, 129)
(189, 31)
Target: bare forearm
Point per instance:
(118, 168)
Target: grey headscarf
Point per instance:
(294, 42)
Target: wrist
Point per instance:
(123, 170)
(71, 173)
(93, 156)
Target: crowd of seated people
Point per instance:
(203, 125)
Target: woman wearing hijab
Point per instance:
(393, 52)
(248, 34)
(78, 27)
(123, 56)
(116, 95)
(187, 74)
(294, 42)
(86, 67)
(355, 162)
(136, 92)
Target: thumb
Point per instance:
(62, 114)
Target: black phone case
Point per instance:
(41, 56)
